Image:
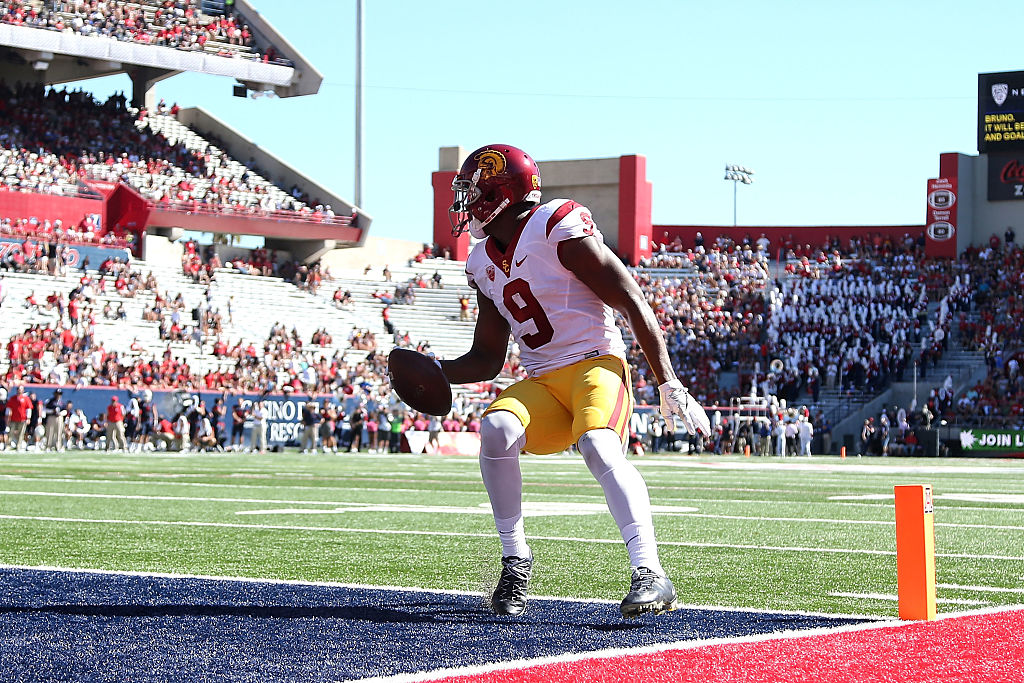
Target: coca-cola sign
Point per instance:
(1005, 177)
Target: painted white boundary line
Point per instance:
(597, 495)
(654, 649)
(980, 589)
(895, 598)
(166, 480)
(188, 499)
(300, 487)
(370, 507)
(410, 589)
(462, 534)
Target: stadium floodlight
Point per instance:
(737, 174)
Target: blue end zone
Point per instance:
(79, 626)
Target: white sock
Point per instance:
(625, 491)
(502, 436)
(513, 537)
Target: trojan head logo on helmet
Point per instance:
(491, 179)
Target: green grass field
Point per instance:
(789, 534)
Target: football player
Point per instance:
(543, 273)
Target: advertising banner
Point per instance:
(78, 254)
(978, 441)
(283, 411)
(1005, 177)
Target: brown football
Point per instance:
(419, 382)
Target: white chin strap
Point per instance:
(476, 228)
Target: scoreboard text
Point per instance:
(1001, 111)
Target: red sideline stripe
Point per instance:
(983, 648)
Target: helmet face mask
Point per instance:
(466, 193)
(491, 179)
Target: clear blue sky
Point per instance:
(842, 110)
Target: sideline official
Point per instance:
(56, 411)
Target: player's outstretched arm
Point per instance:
(485, 358)
(598, 268)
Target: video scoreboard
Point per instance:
(1001, 112)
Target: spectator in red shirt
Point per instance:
(19, 406)
(115, 426)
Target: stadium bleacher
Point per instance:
(169, 164)
(736, 312)
(189, 25)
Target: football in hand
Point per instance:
(419, 382)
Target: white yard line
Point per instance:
(849, 500)
(895, 598)
(192, 499)
(455, 534)
(816, 465)
(357, 506)
(979, 589)
(200, 484)
(536, 492)
(836, 520)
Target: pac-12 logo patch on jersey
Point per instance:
(490, 273)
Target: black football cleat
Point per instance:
(510, 595)
(649, 593)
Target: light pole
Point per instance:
(737, 174)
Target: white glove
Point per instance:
(677, 402)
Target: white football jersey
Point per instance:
(555, 318)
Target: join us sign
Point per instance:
(981, 440)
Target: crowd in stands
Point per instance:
(50, 139)
(711, 308)
(856, 327)
(988, 309)
(852, 318)
(63, 349)
(170, 23)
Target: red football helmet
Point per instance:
(491, 179)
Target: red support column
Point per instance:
(443, 238)
(634, 209)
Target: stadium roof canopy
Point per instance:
(32, 54)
